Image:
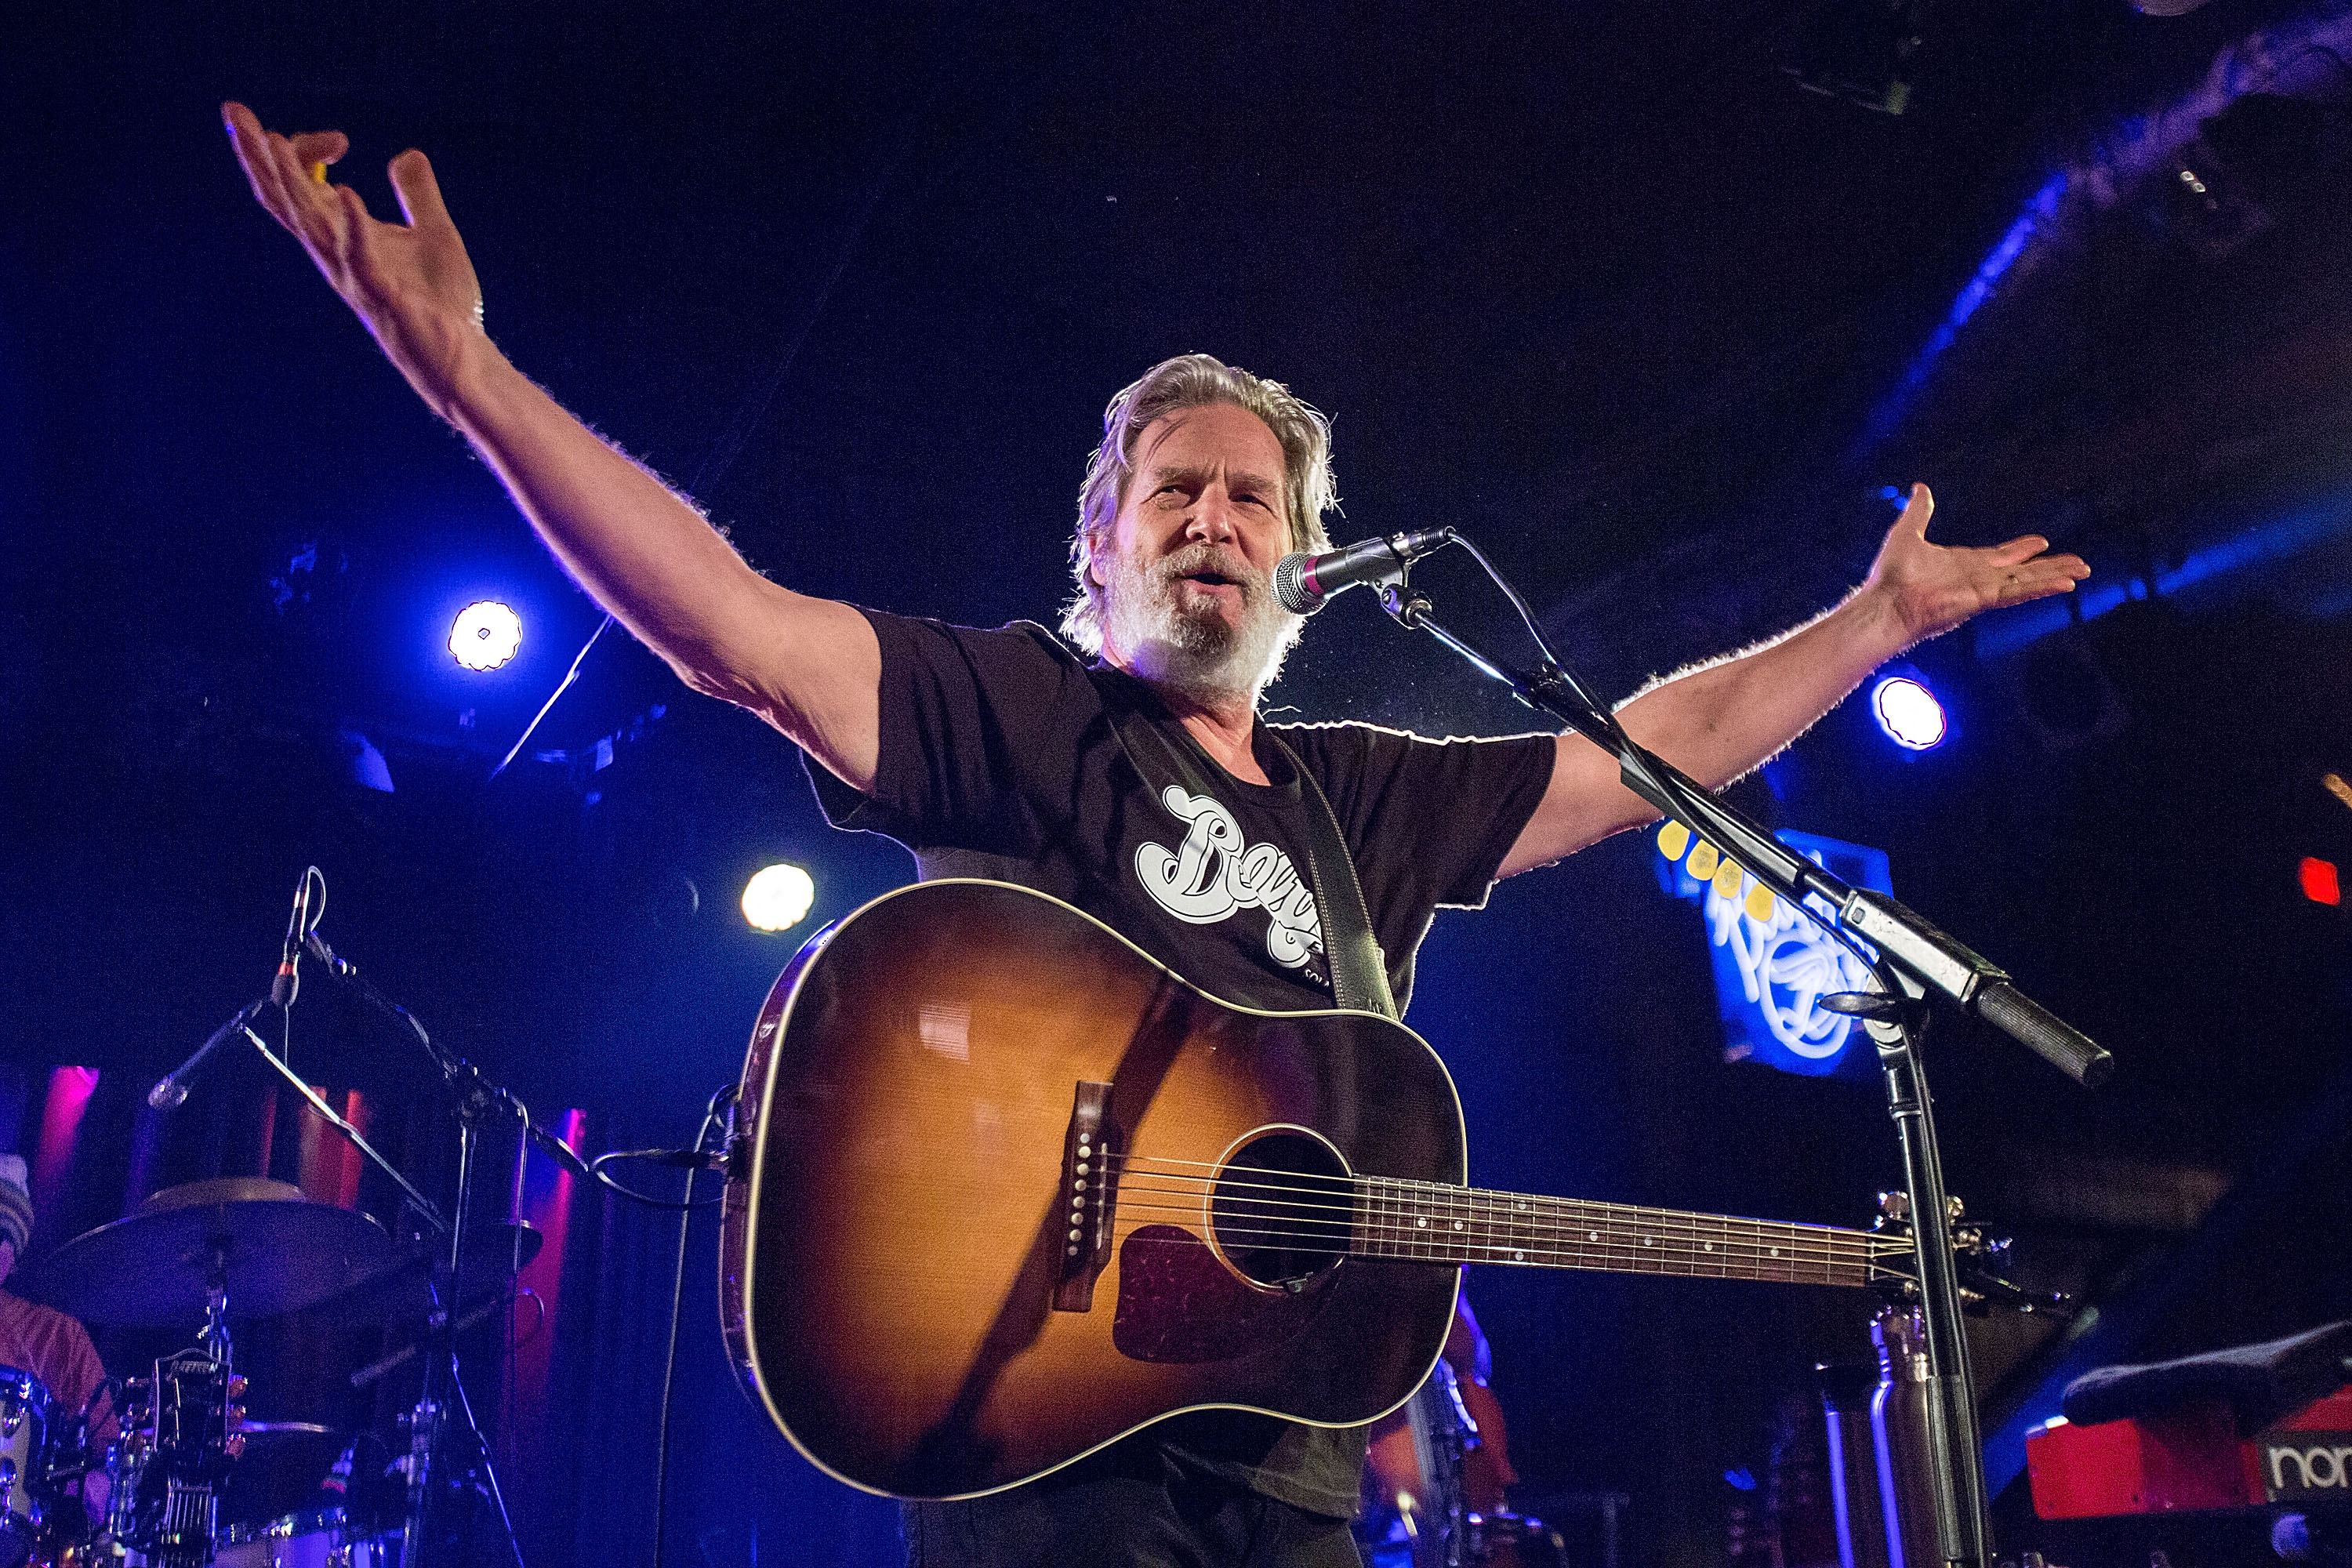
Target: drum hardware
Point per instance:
(394, 1362)
(194, 1445)
(316, 1538)
(175, 1257)
(189, 1424)
(226, 1248)
(24, 1457)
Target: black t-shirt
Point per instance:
(1003, 755)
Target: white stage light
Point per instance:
(778, 897)
(485, 634)
(1909, 713)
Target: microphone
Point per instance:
(173, 1087)
(1303, 581)
(287, 982)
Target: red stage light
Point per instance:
(2319, 882)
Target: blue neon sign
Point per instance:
(1773, 963)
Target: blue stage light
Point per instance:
(1908, 713)
(778, 897)
(485, 634)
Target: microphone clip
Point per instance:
(1303, 584)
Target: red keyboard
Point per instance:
(2190, 1458)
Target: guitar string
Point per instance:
(1485, 1213)
(1779, 1239)
(1545, 1223)
(1449, 1193)
(1557, 1216)
(1349, 1216)
(1471, 1247)
(1619, 1258)
(1326, 1230)
(1678, 1230)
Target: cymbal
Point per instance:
(275, 1251)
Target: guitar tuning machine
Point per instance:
(1894, 1210)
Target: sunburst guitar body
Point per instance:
(1003, 1188)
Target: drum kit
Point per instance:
(168, 1445)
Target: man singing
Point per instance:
(1133, 777)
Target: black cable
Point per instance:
(665, 1156)
(711, 1117)
(669, 1373)
(525, 1293)
(1527, 617)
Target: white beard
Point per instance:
(1194, 652)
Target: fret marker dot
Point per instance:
(1708, 1245)
(1594, 1234)
(1457, 1224)
(1775, 1252)
(1422, 1221)
(1646, 1241)
(1519, 1258)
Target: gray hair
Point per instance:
(1192, 381)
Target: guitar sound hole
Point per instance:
(1281, 1208)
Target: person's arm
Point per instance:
(810, 667)
(1719, 720)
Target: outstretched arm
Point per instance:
(1719, 720)
(810, 667)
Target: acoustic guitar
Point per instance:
(1003, 1188)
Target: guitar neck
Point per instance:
(1424, 1222)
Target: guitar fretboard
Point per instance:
(1426, 1221)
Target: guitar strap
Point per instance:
(1359, 973)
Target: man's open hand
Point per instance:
(1931, 588)
(411, 282)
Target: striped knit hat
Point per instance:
(16, 1201)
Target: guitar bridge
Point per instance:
(1088, 1197)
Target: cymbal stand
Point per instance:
(1907, 959)
(215, 1338)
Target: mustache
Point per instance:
(1194, 560)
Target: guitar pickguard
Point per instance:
(1177, 1303)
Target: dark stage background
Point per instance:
(1604, 287)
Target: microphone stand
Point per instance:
(477, 1098)
(311, 1098)
(1911, 958)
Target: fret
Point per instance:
(1433, 1222)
